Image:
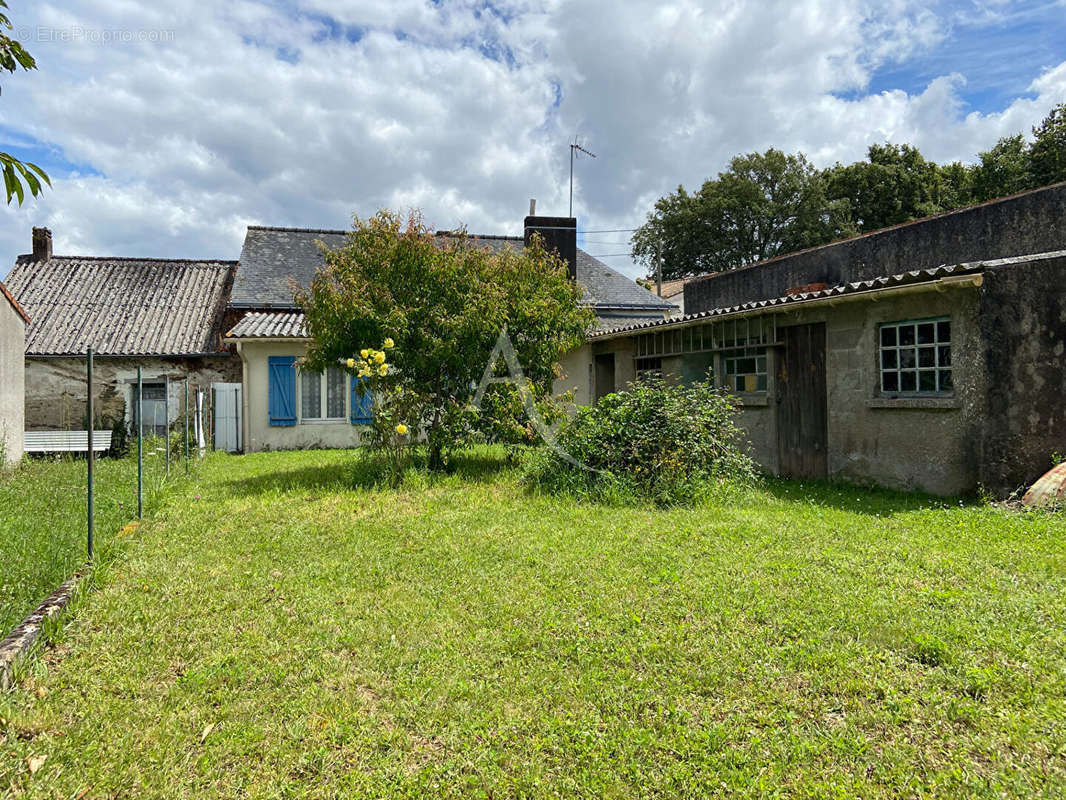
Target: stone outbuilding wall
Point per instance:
(12, 347)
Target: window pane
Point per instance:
(761, 364)
(906, 357)
(927, 381)
(888, 336)
(908, 381)
(888, 359)
(943, 331)
(760, 383)
(890, 382)
(926, 357)
(926, 332)
(906, 335)
(945, 380)
(310, 395)
(944, 356)
(335, 393)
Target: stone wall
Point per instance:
(12, 346)
(1023, 325)
(55, 387)
(1034, 222)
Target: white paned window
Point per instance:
(323, 395)
(915, 357)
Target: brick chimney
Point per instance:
(559, 234)
(42, 244)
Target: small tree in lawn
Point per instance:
(444, 303)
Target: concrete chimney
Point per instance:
(559, 234)
(42, 244)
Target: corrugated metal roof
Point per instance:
(269, 325)
(272, 259)
(122, 306)
(915, 276)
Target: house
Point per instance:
(285, 408)
(930, 355)
(13, 322)
(165, 316)
(672, 292)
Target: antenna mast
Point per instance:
(575, 147)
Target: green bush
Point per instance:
(667, 444)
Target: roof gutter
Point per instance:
(969, 281)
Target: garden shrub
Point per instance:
(667, 444)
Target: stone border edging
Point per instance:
(22, 638)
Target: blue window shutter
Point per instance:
(282, 393)
(362, 406)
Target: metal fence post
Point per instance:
(186, 424)
(166, 417)
(140, 445)
(89, 384)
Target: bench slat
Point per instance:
(65, 441)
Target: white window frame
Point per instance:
(937, 369)
(323, 400)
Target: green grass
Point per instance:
(275, 632)
(43, 524)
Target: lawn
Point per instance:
(278, 631)
(43, 522)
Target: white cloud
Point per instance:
(305, 112)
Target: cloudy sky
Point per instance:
(169, 127)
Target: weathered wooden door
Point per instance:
(802, 413)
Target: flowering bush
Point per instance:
(396, 410)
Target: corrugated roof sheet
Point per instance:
(273, 258)
(14, 303)
(269, 325)
(915, 276)
(122, 306)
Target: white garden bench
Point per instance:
(65, 441)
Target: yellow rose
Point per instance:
(364, 353)
(383, 370)
(389, 343)
(401, 429)
(379, 357)
(351, 363)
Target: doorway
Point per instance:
(802, 406)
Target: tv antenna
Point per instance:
(575, 148)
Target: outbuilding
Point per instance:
(13, 322)
(925, 356)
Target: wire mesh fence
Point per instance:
(63, 508)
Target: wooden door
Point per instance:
(802, 411)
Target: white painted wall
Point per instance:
(12, 378)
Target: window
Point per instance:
(154, 405)
(649, 368)
(745, 370)
(916, 357)
(322, 395)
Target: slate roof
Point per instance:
(272, 258)
(269, 325)
(122, 306)
(902, 279)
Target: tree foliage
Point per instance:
(12, 56)
(774, 203)
(765, 204)
(444, 302)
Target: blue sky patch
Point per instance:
(46, 156)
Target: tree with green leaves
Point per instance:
(1003, 170)
(1047, 154)
(12, 56)
(764, 205)
(443, 303)
(895, 184)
